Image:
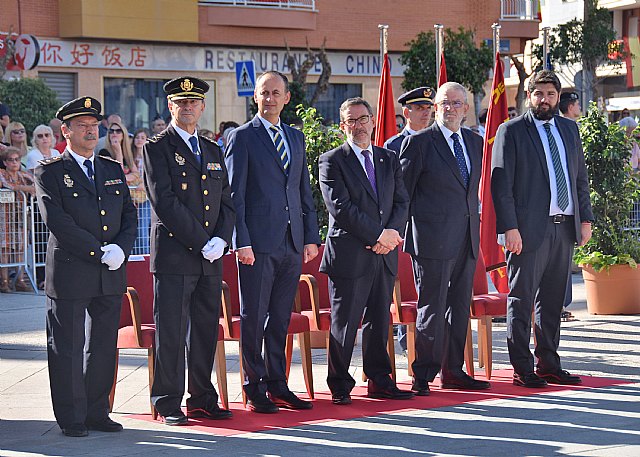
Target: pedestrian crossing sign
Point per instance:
(245, 78)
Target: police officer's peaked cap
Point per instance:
(83, 106)
(419, 96)
(571, 96)
(185, 87)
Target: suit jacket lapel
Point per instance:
(99, 176)
(356, 167)
(267, 140)
(380, 167)
(293, 156)
(76, 173)
(182, 148)
(475, 157)
(537, 142)
(445, 152)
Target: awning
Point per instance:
(620, 103)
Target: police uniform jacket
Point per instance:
(191, 203)
(83, 217)
(395, 142)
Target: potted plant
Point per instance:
(608, 260)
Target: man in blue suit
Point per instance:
(276, 229)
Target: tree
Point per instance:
(521, 96)
(581, 46)
(31, 101)
(467, 63)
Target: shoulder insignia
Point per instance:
(157, 137)
(108, 158)
(50, 160)
(206, 138)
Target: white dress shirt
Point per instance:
(78, 158)
(358, 150)
(186, 135)
(447, 136)
(268, 124)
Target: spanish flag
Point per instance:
(385, 110)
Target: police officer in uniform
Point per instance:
(417, 106)
(191, 226)
(85, 202)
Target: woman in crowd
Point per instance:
(139, 196)
(16, 135)
(43, 143)
(12, 240)
(118, 147)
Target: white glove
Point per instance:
(214, 249)
(113, 256)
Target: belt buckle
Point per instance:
(558, 218)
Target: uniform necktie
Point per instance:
(278, 141)
(87, 163)
(561, 182)
(371, 173)
(193, 140)
(462, 164)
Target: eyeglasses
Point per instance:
(14, 159)
(361, 120)
(400, 126)
(457, 104)
(43, 135)
(115, 130)
(18, 131)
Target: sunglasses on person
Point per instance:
(43, 135)
(115, 130)
(13, 159)
(18, 131)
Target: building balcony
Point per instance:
(520, 22)
(272, 14)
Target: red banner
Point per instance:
(443, 71)
(385, 111)
(493, 253)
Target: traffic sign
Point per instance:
(245, 78)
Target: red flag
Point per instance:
(498, 113)
(443, 71)
(385, 111)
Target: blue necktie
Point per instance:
(561, 182)
(278, 141)
(87, 163)
(371, 173)
(462, 164)
(194, 147)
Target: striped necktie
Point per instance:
(462, 163)
(278, 141)
(561, 182)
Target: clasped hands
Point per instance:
(214, 249)
(388, 240)
(113, 256)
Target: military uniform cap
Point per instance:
(185, 87)
(83, 106)
(418, 96)
(571, 96)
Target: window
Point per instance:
(328, 104)
(63, 84)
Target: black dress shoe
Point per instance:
(341, 399)
(104, 425)
(261, 404)
(214, 413)
(420, 387)
(175, 418)
(530, 380)
(560, 377)
(290, 401)
(390, 392)
(75, 430)
(464, 382)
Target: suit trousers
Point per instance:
(186, 310)
(538, 281)
(444, 298)
(267, 292)
(81, 380)
(365, 299)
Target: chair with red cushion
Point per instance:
(230, 321)
(137, 329)
(313, 301)
(485, 306)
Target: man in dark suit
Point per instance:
(86, 205)
(191, 227)
(276, 229)
(362, 187)
(540, 191)
(417, 105)
(442, 167)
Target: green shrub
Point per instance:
(30, 100)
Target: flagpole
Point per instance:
(496, 38)
(384, 33)
(545, 48)
(438, 28)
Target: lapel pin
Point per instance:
(68, 181)
(179, 159)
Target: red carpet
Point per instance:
(323, 410)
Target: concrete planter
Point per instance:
(616, 291)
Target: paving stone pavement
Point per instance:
(586, 422)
